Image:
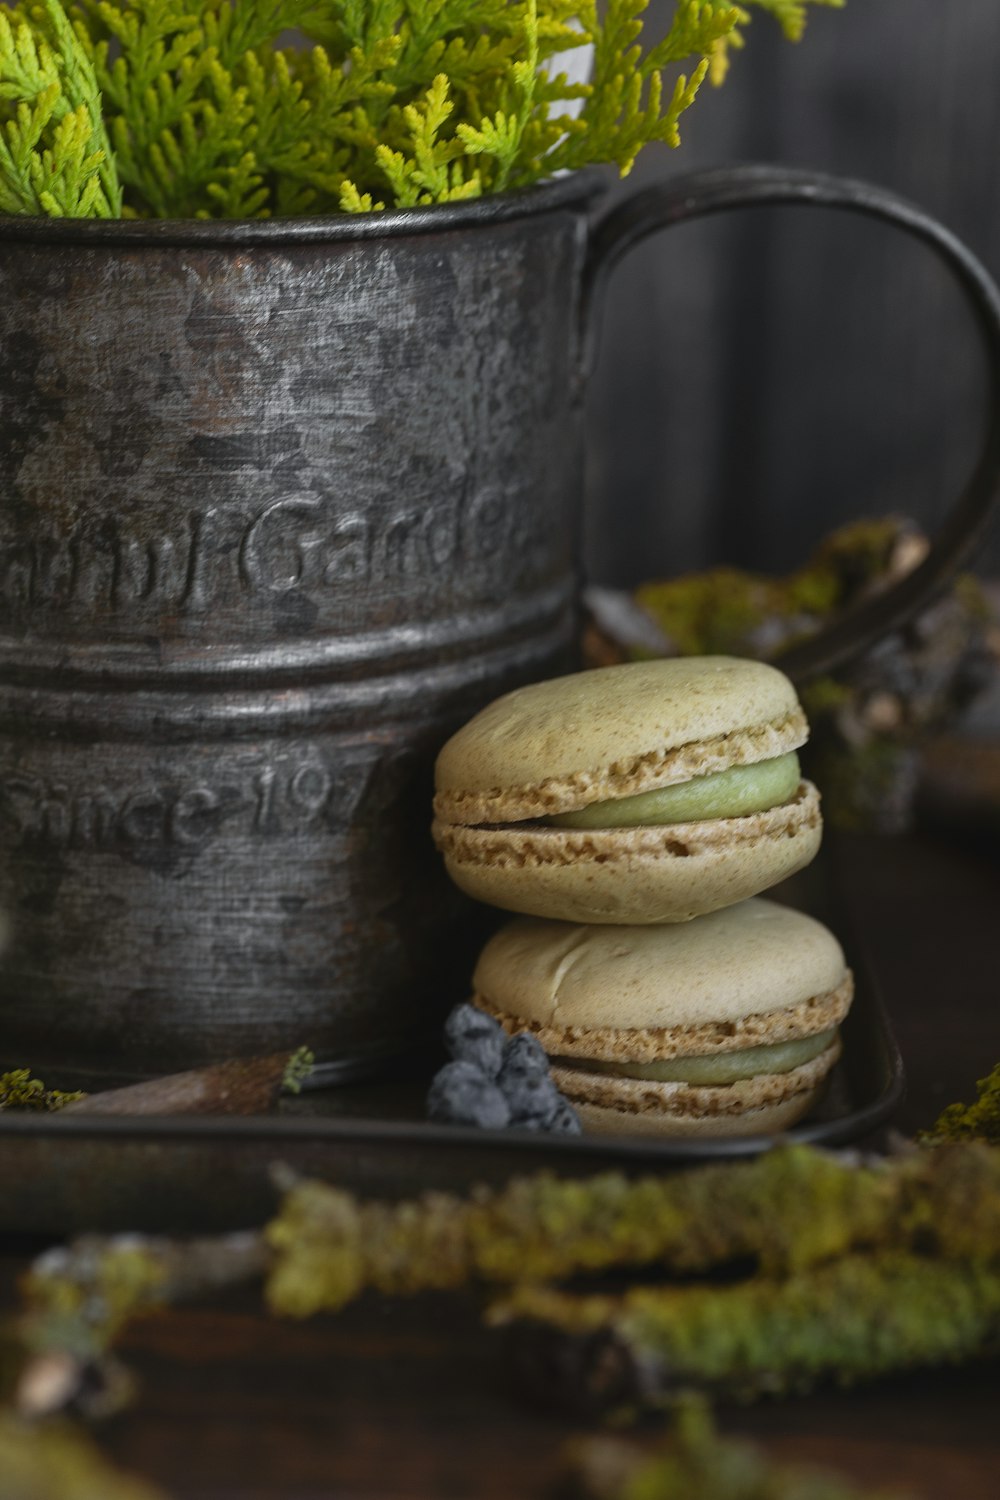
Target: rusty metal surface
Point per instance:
(276, 518)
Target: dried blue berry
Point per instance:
(565, 1121)
(462, 1094)
(472, 1036)
(524, 1055)
(533, 1100)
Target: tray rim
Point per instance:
(522, 1151)
(372, 1132)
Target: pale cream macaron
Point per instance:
(725, 1026)
(599, 747)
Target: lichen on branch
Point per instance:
(695, 1461)
(979, 1121)
(19, 1090)
(856, 1318)
(59, 1461)
(793, 1208)
(768, 1275)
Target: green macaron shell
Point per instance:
(723, 1068)
(733, 793)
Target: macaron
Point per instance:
(726, 1026)
(651, 792)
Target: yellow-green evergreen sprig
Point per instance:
(80, 90)
(54, 154)
(199, 111)
(791, 14)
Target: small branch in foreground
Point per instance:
(696, 1463)
(58, 1461)
(240, 1086)
(792, 1208)
(853, 1319)
(78, 1299)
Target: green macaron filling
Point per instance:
(722, 1068)
(732, 793)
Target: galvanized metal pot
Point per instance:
(282, 504)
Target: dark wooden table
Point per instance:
(398, 1400)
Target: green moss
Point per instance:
(814, 591)
(970, 593)
(18, 1090)
(79, 1300)
(696, 1462)
(724, 609)
(794, 1207)
(318, 1245)
(55, 1462)
(825, 695)
(979, 1121)
(853, 1319)
(860, 550)
(705, 614)
(299, 1069)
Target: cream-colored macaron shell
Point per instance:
(744, 977)
(612, 732)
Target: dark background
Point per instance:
(769, 376)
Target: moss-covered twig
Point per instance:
(979, 1121)
(795, 1213)
(789, 1209)
(853, 1319)
(18, 1090)
(696, 1463)
(239, 1086)
(56, 1461)
(80, 1297)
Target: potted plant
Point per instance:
(292, 345)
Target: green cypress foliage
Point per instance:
(172, 109)
(54, 153)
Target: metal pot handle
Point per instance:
(710, 192)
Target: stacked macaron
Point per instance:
(632, 813)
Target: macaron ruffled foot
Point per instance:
(647, 793)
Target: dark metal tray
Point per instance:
(62, 1174)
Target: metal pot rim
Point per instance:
(573, 189)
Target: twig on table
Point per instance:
(240, 1086)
